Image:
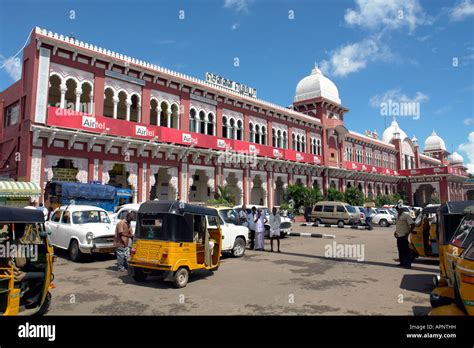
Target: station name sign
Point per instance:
(232, 85)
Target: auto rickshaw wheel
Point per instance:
(45, 306)
(139, 275)
(74, 252)
(181, 277)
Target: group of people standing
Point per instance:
(256, 221)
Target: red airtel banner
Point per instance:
(110, 126)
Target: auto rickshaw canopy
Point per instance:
(20, 215)
(449, 216)
(175, 207)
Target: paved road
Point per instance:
(301, 280)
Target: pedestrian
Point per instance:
(43, 209)
(123, 234)
(403, 228)
(251, 226)
(369, 214)
(275, 222)
(243, 216)
(259, 229)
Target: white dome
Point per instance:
(389, 133)
(434, 143)
(316, 85)
(456, 158)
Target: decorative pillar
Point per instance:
(115, 101)
(63, 89)
(128, 103)
(78, 99)
(168, 118)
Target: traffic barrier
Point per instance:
(328, 225)
(312, 235)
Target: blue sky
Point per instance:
(420, 51)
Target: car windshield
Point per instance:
(90, 216)
(230, 216)
(350, 209)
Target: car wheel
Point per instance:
(239, 247)
(45, 306)
(383, 223)
(340, 224)
(318, 222)
(74, 252)
(139, 275)
(181, 277)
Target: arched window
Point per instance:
(239, 130)
(279, 140)
(202, 122)
(318, 148)
(109, 102)
(86, 98)
(273, 138)
(303, 144)
(285, 140)
(210, 125)
(135, 108)
(70, 100)
(192, 120)
(232, 129)
(225, 133)
(122, 106)
(252, 133)
(54, 95)
(165, 115)
(264, 136)
(174, 121)
(257, 134)
(293, 141)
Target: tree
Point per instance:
(354, 196)
(311, 196)
(382, 200)
(334, 195)
(302, 196)
(223, 196)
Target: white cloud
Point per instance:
(462, 10)
(396, 95)
(238, 5)
(235, 26)
(12, 67)
(468, 149)
(392, 14)
(468, 121)
(354, 57)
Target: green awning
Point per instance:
(19, 189)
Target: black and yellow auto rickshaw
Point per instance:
(460, 277)
(173, 239)
(450, 215)
(423, 241)
(26, 263)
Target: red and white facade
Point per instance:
(109, 118)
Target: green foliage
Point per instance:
(354, 196)
(334, 195)
(400, 196)
(223, 196)
(302, 196)
(382, 200)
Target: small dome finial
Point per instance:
(316, 69)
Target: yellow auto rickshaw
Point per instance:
(460, 274)
(450, 215)
(423, 241)
(173, 239)
(26, 266)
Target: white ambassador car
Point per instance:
(234, 235)
(383, 218)
(81, 229)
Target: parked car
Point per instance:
(286, 222)
(331, 212)
(383, 218)
(122, 213)
(81, 229)
(234, 234)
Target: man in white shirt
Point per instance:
(403, 228)
(275, 222)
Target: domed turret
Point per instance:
(434, 143)
(390, 132)
(456, 158)
(316, 85)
